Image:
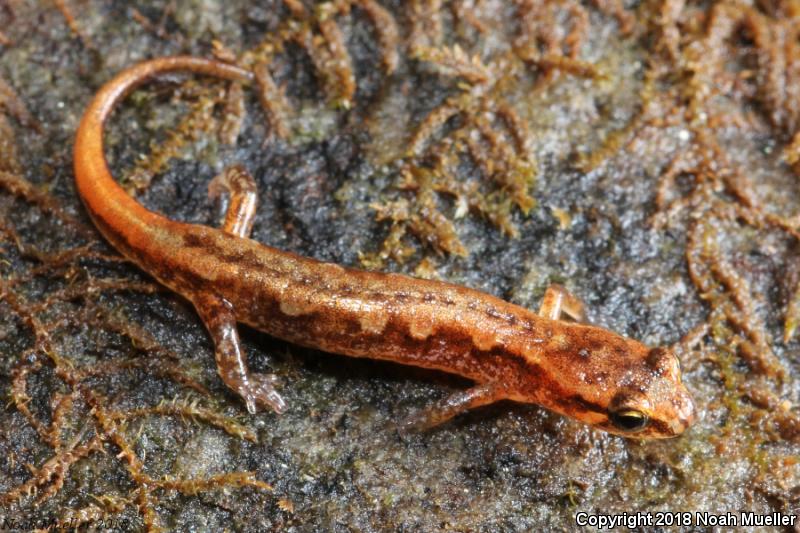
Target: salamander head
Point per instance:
(648, 401)
(618, 385)
(663, 409)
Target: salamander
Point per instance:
(552, 358)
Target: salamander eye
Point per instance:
(628, 420)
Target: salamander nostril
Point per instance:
(656, 357)
(663, 362)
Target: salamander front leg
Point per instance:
(559, 301)
(241, 190)
(451, 406)
(220, 320)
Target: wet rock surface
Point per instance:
(640, 155)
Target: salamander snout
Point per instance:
(685, 413)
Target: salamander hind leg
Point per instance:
(255, 389)
(240, 188)
(558, 301)
(451, 406)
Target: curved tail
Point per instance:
(107, 202)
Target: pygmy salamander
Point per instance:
(586, 372)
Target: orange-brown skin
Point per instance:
(576, 369)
